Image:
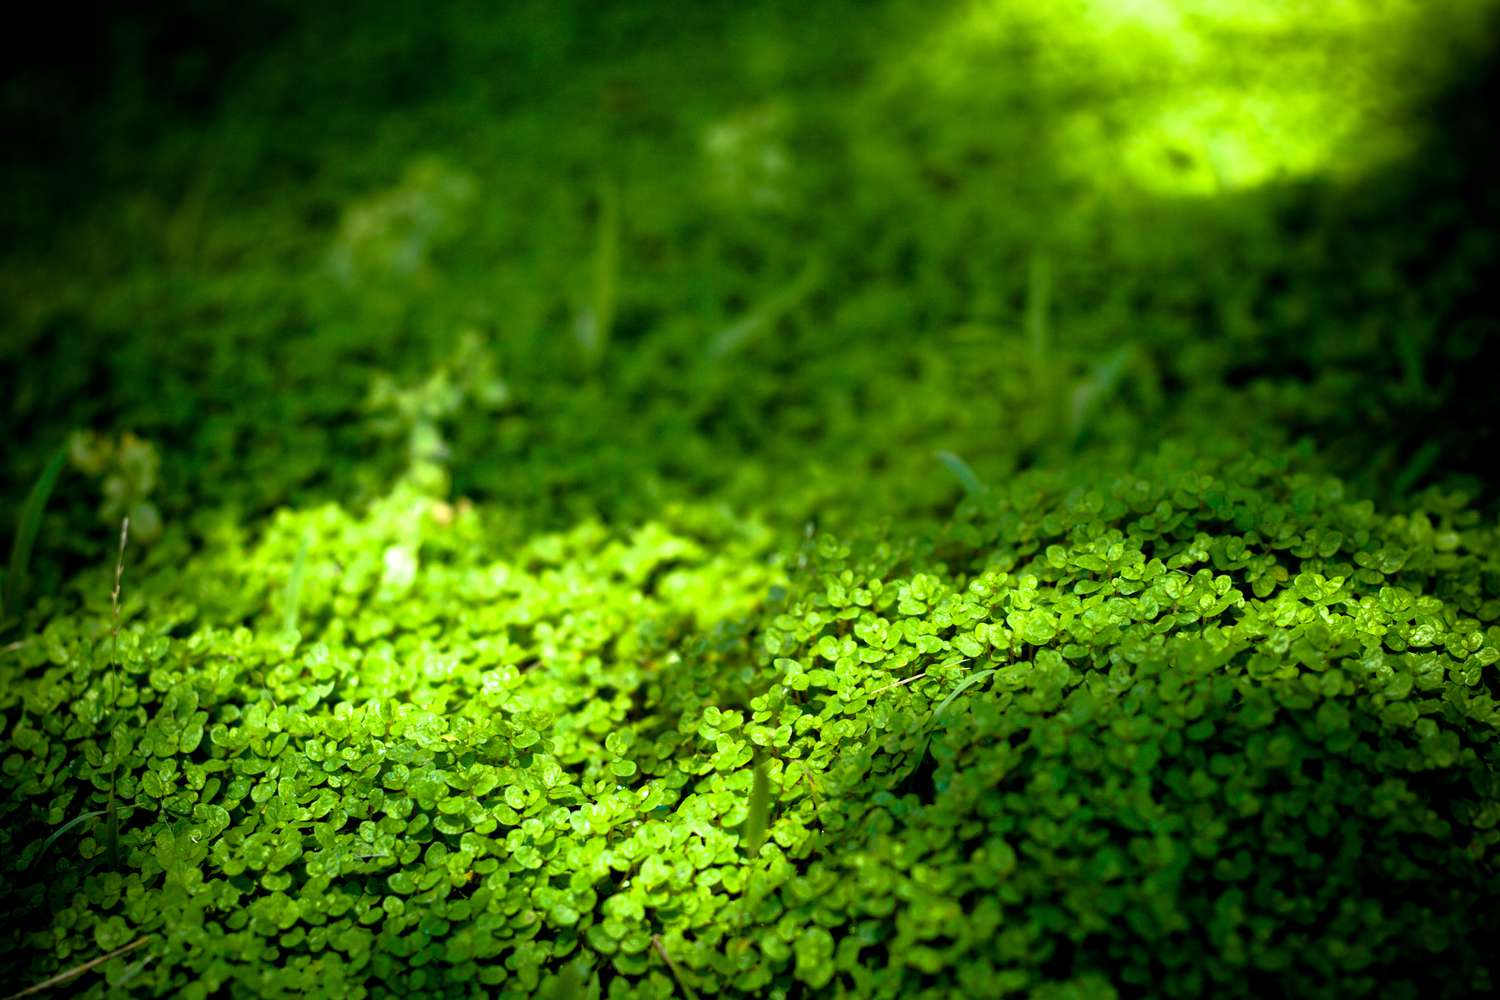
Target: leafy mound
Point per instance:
(1196, 725)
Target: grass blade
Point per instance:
(1421, 462)
(292, 601)
(895, 684)
(754, 830)
(965, 475)
(65, 828)
(1095, 389)
(597, 321)
(131, 971)
(16, 579)
(747, 327)
(78, 970)
(963, 686)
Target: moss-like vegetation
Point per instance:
(658, 503)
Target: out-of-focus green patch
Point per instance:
(1194, 97)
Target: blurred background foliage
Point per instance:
(773, 254)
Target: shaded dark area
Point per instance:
(80, 80)
(1414, 247)
(1392, 268)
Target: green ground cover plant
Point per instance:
(859, 520)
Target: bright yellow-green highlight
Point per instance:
(1203, 96)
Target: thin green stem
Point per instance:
(113, 823)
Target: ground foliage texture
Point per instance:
(744, 501)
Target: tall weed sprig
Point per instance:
(597, 320)
(112, 823)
